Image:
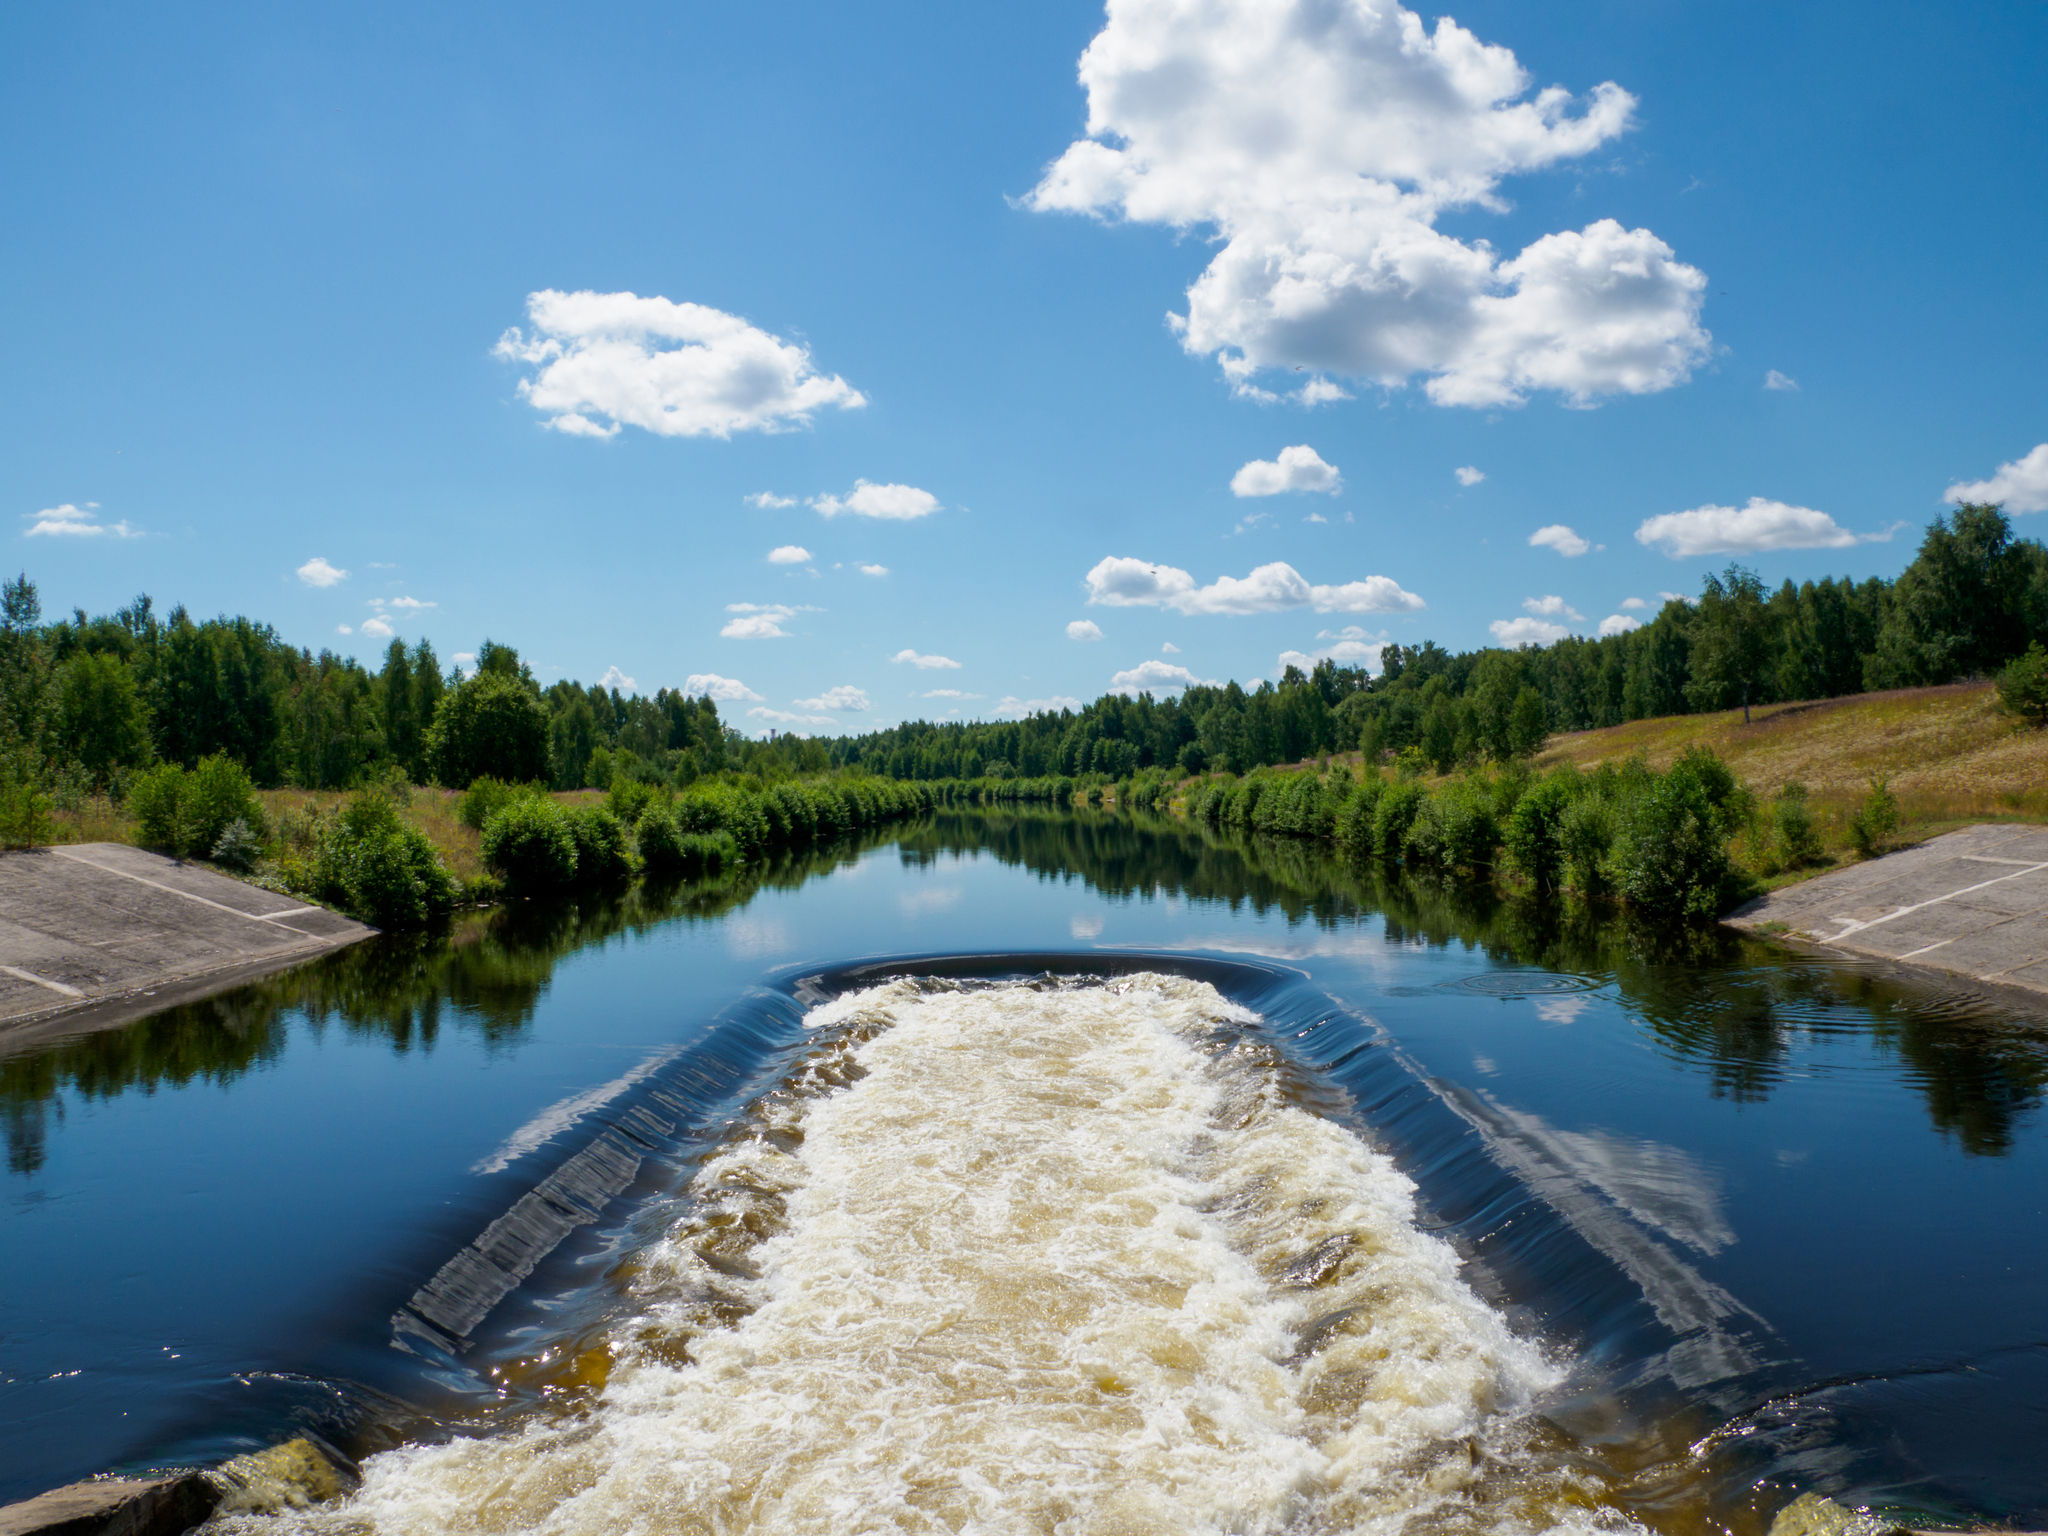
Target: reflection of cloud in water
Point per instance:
(1368, 950)
(1086, 925)
(1603, 1186)
(752, 935)
(1561, 1010)
(1485, 1065)
(918, 902)
(557, 1118)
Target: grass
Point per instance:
(1952, 758)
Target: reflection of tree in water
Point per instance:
(485, 973)
(1718, 1000)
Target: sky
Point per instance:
(865, 363)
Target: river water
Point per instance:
(1041, 1172)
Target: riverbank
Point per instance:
(95, 935)
(1972, 903)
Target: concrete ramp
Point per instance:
(96, 934)
(1974, 903)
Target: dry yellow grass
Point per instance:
(1949, 754)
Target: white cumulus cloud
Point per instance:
(72, 522)
(1121, 582)
(711, 686)
(1350, 646)
(412, 604)
(898, 503)
(677, 370)
(316, 572)
(1619, 624)
(759, 621)
(1777, 380)
(614, 678)
(376, 626)
(874, 570)
(344, 629)
(1299, 468)
(1552, 608)
(1322, 140)
(1167, 647)
(1560, 538)
(788, 554)
(1010, 707)
(784, 717)
(2021, 485)
(925, 663)
(766, 500)
(1321, 391)
(1153, 676)
(1712, 530)
(1633, 602)
(1084, 629)
(845, 696)
(1469, 475)
(1519, 632)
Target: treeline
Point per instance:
(86, 702)
(1973, 599)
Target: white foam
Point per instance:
(1035, 1277)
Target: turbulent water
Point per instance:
(1006, 1257)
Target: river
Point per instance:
(1048, 1171)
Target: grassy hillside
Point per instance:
(1952, 758)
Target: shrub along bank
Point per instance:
(1660, 841)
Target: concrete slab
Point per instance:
(1973, 903)
(97, 934)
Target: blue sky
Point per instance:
(263, 263)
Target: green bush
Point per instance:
(1354, 821)
(183, 812)
(1454, 830)
(628, 798)
(1398, 807)
(602, 855)
(1535, 829)
(1875, 820)
(2023, 687)
(372, 864)
(486, 796)
(237, 847)
(660, 840)
(531, 845)
(1797, 839)
(1670, 849)
(1585, 832)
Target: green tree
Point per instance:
(493, 723)
(1967, 603)
(1731, 642)
(105, 724)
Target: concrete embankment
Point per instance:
(1972, 903)
(98, 934)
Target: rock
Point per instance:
(288, 1476)
(114, 1506)
(1813, 1515)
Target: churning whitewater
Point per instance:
(1028, 1257)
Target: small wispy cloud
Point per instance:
(1777, 380)
(614, 678)
(319, 572)
(1084, 629)
(1560, 538)
(768, 499)
(925, 662)
(845, 696)
(72, 522)
(874, 570)
(710, 685)
(896, 503)
(1469, 475)
(789, 554)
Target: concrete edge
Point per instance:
(28, 1031)
(2019, 995)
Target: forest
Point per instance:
(88, 702)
